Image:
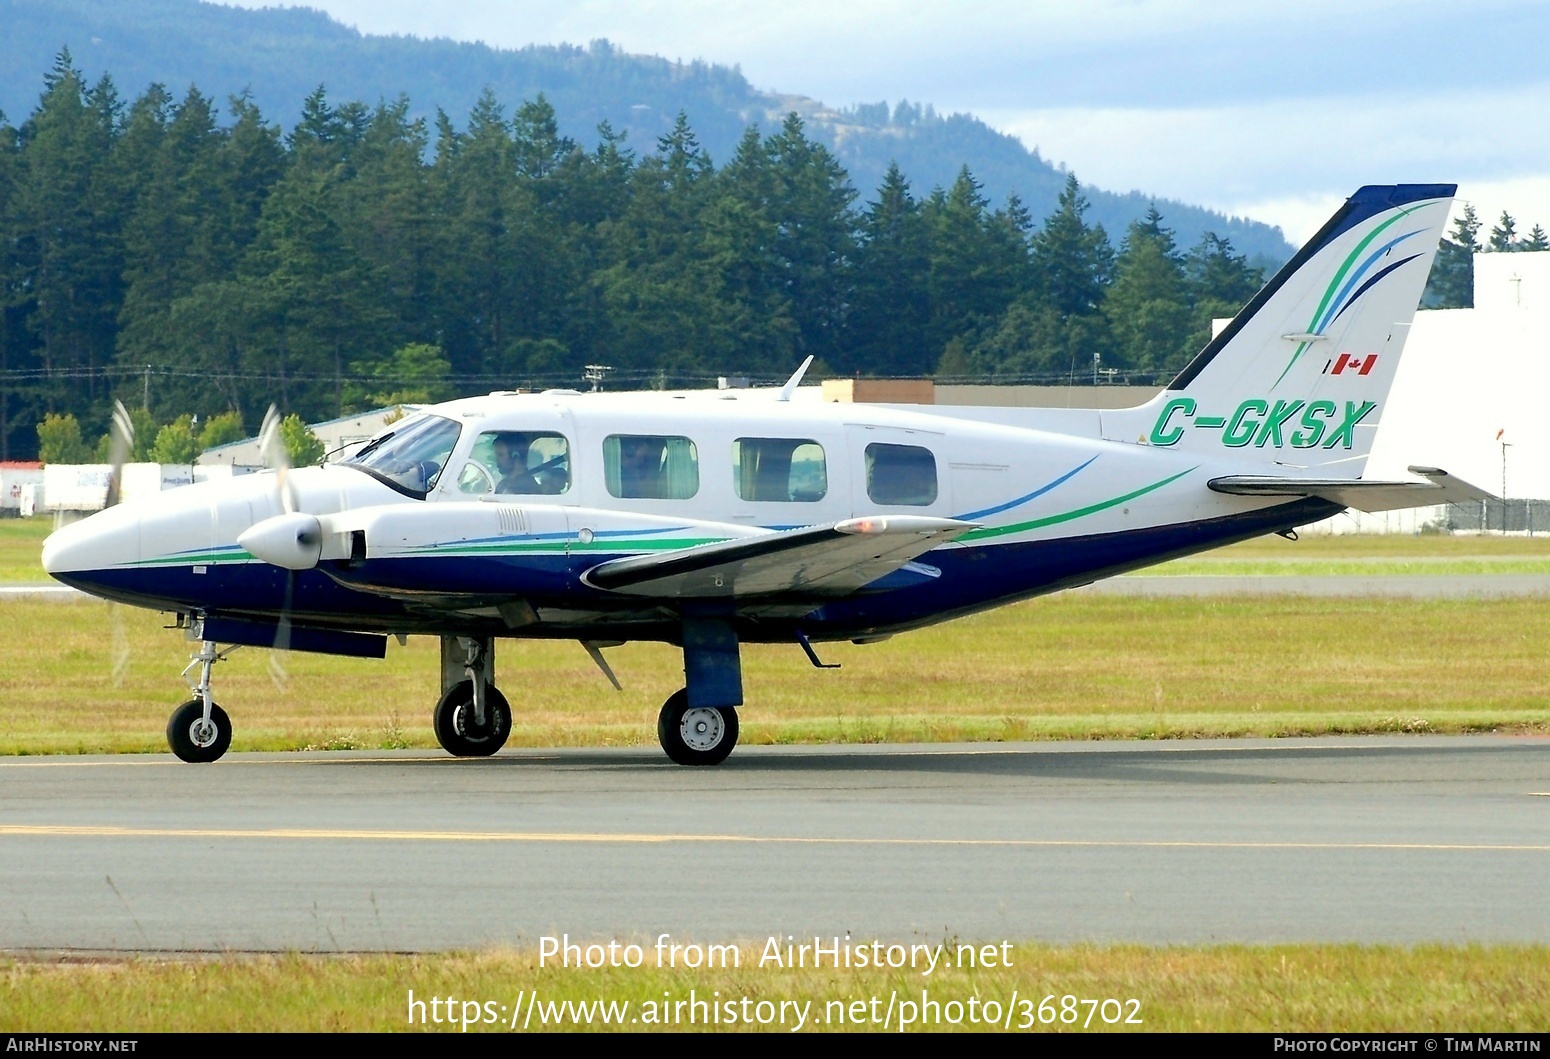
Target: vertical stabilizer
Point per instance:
(1301, 374)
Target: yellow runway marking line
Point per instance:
(626, 838)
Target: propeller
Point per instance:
(272, 450)
(121, 441)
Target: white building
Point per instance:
(1474, 379)
(334, 433)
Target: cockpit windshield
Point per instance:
(411, 455)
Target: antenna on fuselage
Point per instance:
(796, 378)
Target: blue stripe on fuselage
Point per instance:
(972, 578)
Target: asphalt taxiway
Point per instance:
(1404, 838)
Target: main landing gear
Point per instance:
(698, 724)
(472, 719)
(696, 735)
(199, 730)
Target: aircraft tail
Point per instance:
(1301, 374)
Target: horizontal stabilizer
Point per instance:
(1435, 487)
(816, 562)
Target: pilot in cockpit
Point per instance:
(511, 460)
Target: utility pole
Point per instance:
(1505, 446)
(595, 373)
(145, 398)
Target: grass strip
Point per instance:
(1306, 987)
(1054, 668)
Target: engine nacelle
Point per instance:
(291, 542)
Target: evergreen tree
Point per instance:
(661, 289)
(1536, 240)
(1451, 284)
(174, 234)
(1148, 304)
(15, 406)
(68, 233)
(743, 245)
(979, 260)
(814, 242)
(1056, 329)
(1074, 262)
(890, 310)
(1504, 235)
(1219, 283)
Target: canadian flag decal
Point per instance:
(1360, 365)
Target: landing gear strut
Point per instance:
(199, 730)
(472, 719)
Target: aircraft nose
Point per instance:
(107, 539)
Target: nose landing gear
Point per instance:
(199, 730)
(472, 719)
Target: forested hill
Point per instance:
(280, 55)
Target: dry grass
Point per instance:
(1345, 988)
(21, 548)
(1061, 667)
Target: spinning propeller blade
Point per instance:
(271, 447)
(121, 442)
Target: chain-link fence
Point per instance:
(1500, 516)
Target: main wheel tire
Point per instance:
(701, 735)
(192, 739)
(455, 728)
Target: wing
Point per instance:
(1437, 487)
(818, 562)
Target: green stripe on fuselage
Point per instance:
(1068, 516)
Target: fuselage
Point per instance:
(532, 491)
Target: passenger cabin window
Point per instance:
(517, 462)
(900, 474)
(650, 467)
(779, 469)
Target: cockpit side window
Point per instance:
(521, 462)
(411, 455)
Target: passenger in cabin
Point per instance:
(640, 467)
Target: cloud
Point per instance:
(1001, 53)
(1287, 161)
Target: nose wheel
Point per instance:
(459, 728)
(199, 730)
(696, 735)
(196, 738)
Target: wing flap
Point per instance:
(1435, 486)
(817, 562)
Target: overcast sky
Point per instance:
(1274, 110)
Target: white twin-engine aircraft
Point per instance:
(709, 520)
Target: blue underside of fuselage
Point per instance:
(972, 578)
